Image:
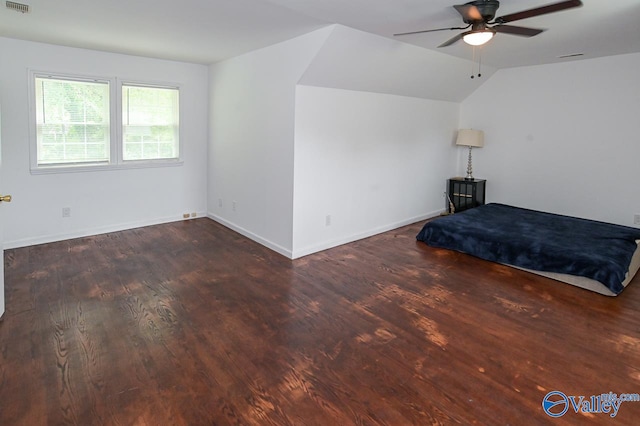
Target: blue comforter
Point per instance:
(539, 241)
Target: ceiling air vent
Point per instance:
(570, 55)
(18, 7)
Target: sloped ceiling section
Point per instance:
(187, 30)
(355, 60)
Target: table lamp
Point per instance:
(472, 139)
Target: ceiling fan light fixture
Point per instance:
(478, 38)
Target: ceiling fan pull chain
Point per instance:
(473, 61)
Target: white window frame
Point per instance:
(116, 161)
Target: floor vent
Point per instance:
(18, 7)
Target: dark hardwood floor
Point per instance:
(190, 323)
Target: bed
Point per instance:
(597, 256)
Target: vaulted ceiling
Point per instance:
(207, 31)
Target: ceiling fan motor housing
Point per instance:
(487, 9)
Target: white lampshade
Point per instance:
(478, 38)
(470, 137)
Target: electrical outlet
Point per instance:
(327, 220)
(636, 219)
(66, 212)
(234, 205)
(220, 202)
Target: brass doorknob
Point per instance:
(5, 198)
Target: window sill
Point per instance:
(81, 168)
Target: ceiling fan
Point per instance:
(479, 15)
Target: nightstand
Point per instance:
(466, 194)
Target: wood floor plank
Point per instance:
(190, 323)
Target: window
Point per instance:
(150, 122)
(72, 121)
(85, 123)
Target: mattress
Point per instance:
(588, 283)
(599, 256)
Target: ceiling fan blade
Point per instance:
(469, 12)
(430, 31)
(519, 31)
(543, 10)
(452, 40)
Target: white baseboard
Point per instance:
(258, 239)
(305, 251)
(295, 254)
(93, 231)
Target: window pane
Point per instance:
(72, 120)
(150, 123)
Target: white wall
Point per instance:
(100, 201)
(373, 162)
(252, 101)
(387, 157)
(561, 138)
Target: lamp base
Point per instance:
(469, 169)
